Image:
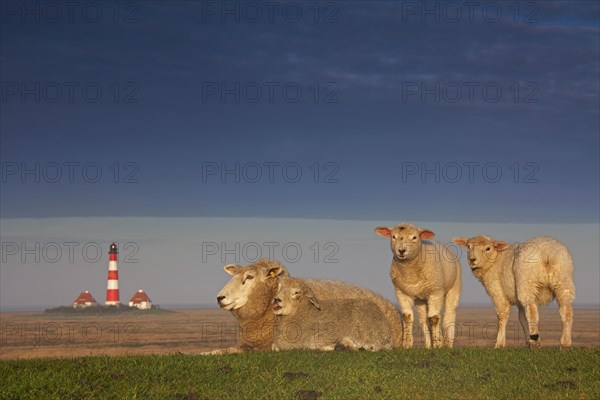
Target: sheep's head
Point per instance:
(482, 250)
(291, 294)
(253, 284)
(405, 240)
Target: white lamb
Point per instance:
(527, 274)
(305, 322)
(426, 274)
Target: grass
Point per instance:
(415, 374)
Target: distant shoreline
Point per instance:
(205, 306)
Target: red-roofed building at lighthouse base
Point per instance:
(140, 300)
(84, 300)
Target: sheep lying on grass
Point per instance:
(527, 274)
(426, 274)
(250, 292)
(306, 322)
(330, 289)
(248, 295)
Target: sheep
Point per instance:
(304, 321)
(426, 274)
(248, 295)
(334, 289)
(528, 275)
(252, 288)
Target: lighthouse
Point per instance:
(112, 288)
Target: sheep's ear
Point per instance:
(314, 302)
(384, 231)
(275, 271)
(233, 269)
(461, 241)
(499, 245)
(426, 233)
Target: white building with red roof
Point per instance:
(140, 300)
(85, 299)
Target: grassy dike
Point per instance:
(415, 374)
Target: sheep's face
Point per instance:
(482, 251)
(287, 299)
(252, 283)
(290, 295)
(405, 240)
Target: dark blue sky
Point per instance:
(379, 118)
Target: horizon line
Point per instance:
(504, 221)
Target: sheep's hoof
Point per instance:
(565, 347)
(340, 347)
(534, 341)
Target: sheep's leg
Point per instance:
(347, 343)
(229, 350)
(422, 311)
(523, 321)
(406, 308)
(503, 312)
(531, 312)
(565, 310)
(434, 315)
(450, 304)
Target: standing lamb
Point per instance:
(426, 274)
(306, 322)
(528, 274)
(250, 292)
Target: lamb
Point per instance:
(306, 322)
(252, 288)
(426, 274)
(528, 275)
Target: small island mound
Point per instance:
(106, 310)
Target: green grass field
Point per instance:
(415, 374)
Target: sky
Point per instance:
(154, 115)
(179, 261)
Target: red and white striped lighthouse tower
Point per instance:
(112, 288)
